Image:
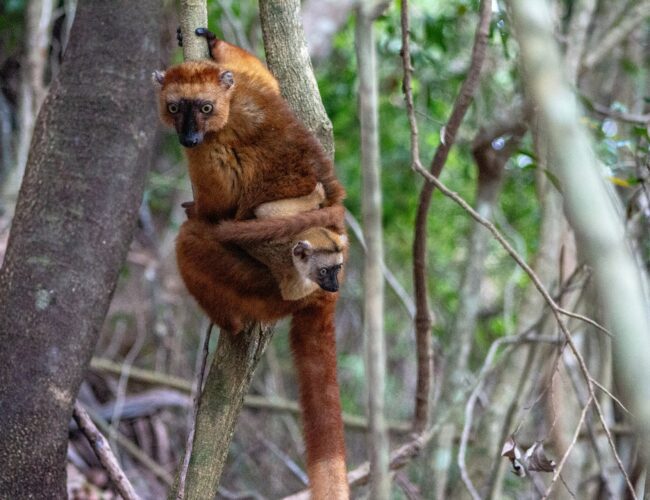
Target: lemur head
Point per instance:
(194, 99)
(321, 263)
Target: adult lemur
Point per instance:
(246, 148)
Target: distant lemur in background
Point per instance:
(245, 149)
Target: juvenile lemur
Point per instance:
(316, 255)
(246, 148)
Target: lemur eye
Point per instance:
(206, 108)
(172, 108)
(322, 271)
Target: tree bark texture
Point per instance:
(74, 221)
(193, 14)
(220, 404)
(288, 59)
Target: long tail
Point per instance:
(314, 348)
(256, 230)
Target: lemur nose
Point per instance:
(189, 141)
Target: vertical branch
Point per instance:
(38, 26)
(193, 14)
(221, 401)
(288, 59)
(423, 315)
(237, 355)
(373, 276)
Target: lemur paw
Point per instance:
(179, 36)
(205, 32)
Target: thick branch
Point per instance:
(78, 187)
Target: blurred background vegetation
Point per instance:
(155, 326)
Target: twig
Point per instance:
(132, 449)
(196, 392)
(406, 85)
(423, 316)
(560, 466)
(606, 391)
(104, 453)
(123, 381)
(622, 116)
(469, 411)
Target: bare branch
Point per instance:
(560, 466)
(391, 279)
(104, 453)
(355, 422)
(423, 316)
(197, 389)
(557, 311)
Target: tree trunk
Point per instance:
(74, 220)
(373, 279)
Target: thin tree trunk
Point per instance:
(373, 279)
(228, 382)
(193, 14)
(74, 220)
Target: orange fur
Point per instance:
(256, 151)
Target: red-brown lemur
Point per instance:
(246, 148)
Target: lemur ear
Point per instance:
(226, 79)
(303, 249)
(158, 77)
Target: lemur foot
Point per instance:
(205, 32)
(179, 36)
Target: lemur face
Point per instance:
(321, 267)
(195, 99)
